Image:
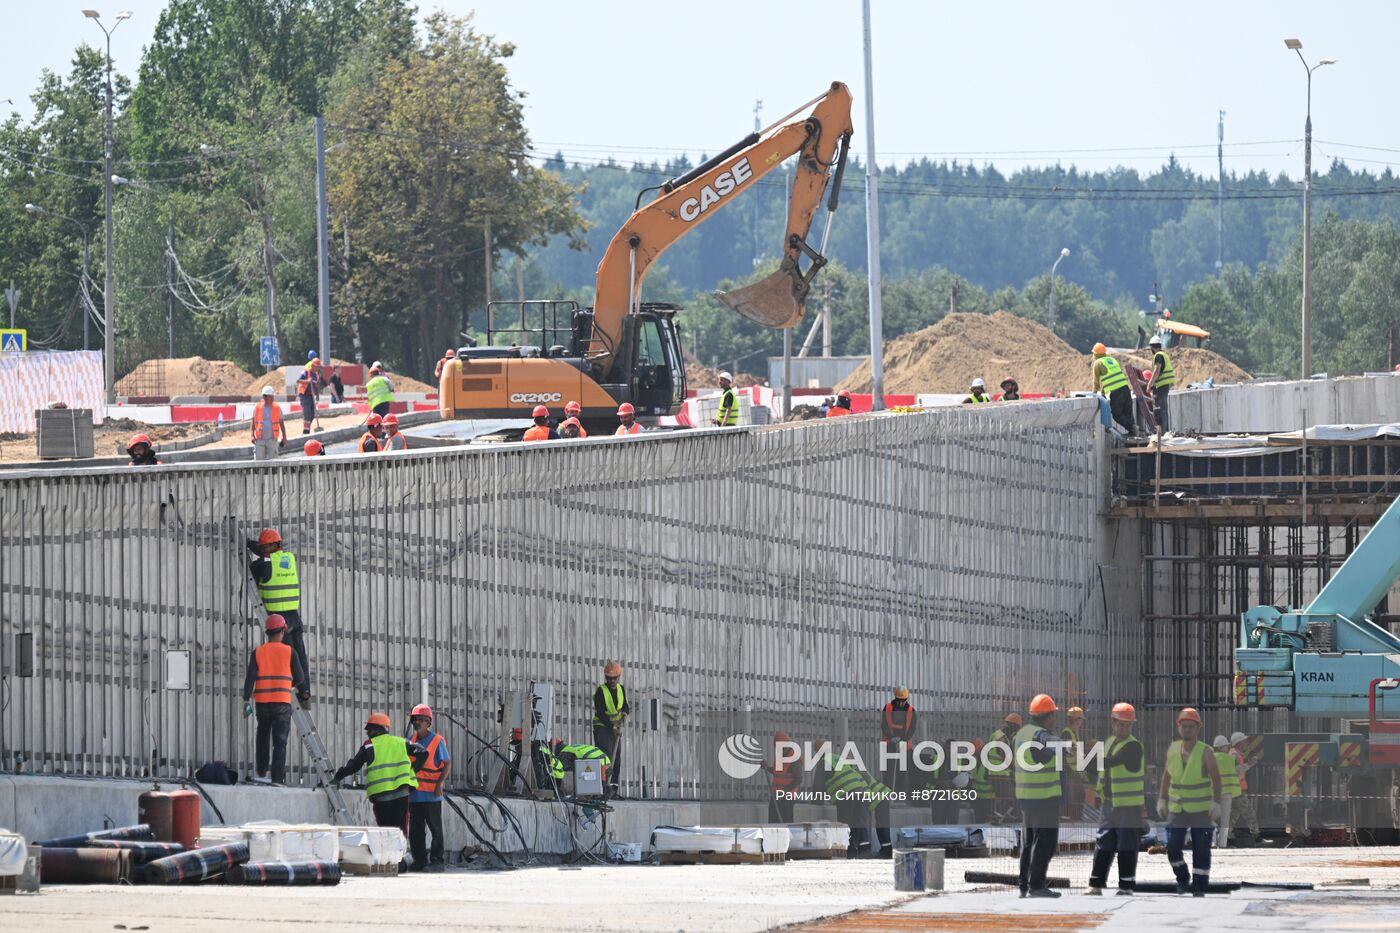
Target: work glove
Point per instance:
(1215, 811)
(247, 709)
(1161, 809)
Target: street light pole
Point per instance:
(1297, 47)
(872, 229)
(109, 297)
(1050, 315)
(87, 315)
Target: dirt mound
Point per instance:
(278, 381)
(701, 377)
(192, 375)
(1192, 365)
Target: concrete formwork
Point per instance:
(1269, 407)
(808, 565)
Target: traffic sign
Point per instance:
(268, 352)
(13, 340)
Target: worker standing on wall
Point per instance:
(728, 414)
(1163, 378)
(274, 571)
(379, 391)
(785, 779)
(1074, 784)
(978, 393)
(627, 415)
(897, 722)
(425, 802)
(372, 441)
(389, 762)
(610, 710)
(1110, 379)
(1122, 788)
(268, 429)
(1038, 793)
(541, 431)
(1189, 800)
(1229, 788)
(273, 673)
(393, 440)
(1243, 808)
(842, 405)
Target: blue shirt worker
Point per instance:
(425, 803)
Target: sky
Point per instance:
(1088, 82)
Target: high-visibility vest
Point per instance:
(391, 769)
(274, 673)
(553, 765)
(634, 428)
(1168, 376)
(728, 414)
(1033, 785)
(369, 444)
(305, 381)
(899, 723)
(1189, 789)
(582, 750)
(976, 400)
(1124, 787)
(539, 432)
(1240, 769)
(282, 591)
(612, 704)
(786, 777)
(430, 775)
(836, 411)
(1229, 774)
(260, 417)
(1069, 735)
(377, 392)
(980, 783)
(852, 782)
(1000, 736)
(1113, 375)
(395, 442)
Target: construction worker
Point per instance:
(859, 798)
(842, 405)
(571, 429)
(268, 429)
(314, 448)
(372, 441)
(379, 391)
(141, 452)
(997, 772)
(308, 385)
(1110, 379)
(273, 673)
(728, 414)
(274, 571)
(574, 410)
(1122, 789)
(1230, 788)
(978, 393)
(1242, 809)
(980, 783)
(541, 431)
(425, 802)
(447, 357)
(785, 779)
(1189, 800)
(1074, 784)
(393, 440)
(897, 729)
(1163, 378)
(1010, 390)
(628, 416)
(390, 763)
(1038, 793)
(610, 709)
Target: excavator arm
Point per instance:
(820, 139)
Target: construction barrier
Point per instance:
(1297, 757)
(31, 381)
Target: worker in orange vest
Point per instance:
(393, 440)
(897, 729)
(628, 416)
(308, 386)
(842, 405)
(425, 803)
(447, 357)
(371, 442)
(268, 431)
(574, 410)
(786, 780)
(273, 673)
(541, 430)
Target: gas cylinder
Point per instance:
(184, 817)
(153, 808)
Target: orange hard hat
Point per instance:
(450, 353)
(314, 448)
(540, 412)
(1100, 349)
(844, 393)
(422, 709)
(373, 421)
(1123, 712)
(275, 623)
(139, 439)
(1042, 703)
(571, 421)
(626, 409)
(1015, 719)
(1189, 714)
(781, 736)
(392, 420)
(612, 669)
(268, 536)
(572, 408)
(979, 744)
(378, 719)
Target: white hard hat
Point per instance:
(978, 383)
(269, 390)
(1221, 741)
(376, 365)
(726, 376)
(1156, 341)
(1237, 738)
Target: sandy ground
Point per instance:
(739, 898)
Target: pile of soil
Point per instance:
(702, 377)
(278, 381)
(947, 356)
(192, 375)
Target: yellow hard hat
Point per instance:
(901, 692)
(1100, 349)
(1075, 711)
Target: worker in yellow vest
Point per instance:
(1122, 789)
(1038, 793)
(728, 414)
(1230, 788)
(379, 391)
(274, 570)
(610, 710)
(1110, 379)
(1163, 378)
(390, 763)
(1074, 784)
(1189, 800)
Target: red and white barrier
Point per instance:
(30, 381)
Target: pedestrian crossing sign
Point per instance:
(13, 340)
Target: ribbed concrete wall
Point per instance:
(1268, 407)
(809, 565)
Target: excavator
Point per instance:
(548, 352)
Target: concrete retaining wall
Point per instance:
(1268, 407)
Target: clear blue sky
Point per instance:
(1009, 82)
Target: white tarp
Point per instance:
(30, 381)
(749, 840)
(1338, 432)
(13, 852)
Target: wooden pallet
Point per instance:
(721, 858)
(801, 854)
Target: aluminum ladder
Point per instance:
(316, 748)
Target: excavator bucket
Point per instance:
(777, 300)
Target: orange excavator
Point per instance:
(625, 350)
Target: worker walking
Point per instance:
(273, 673)
(141, 452)
(389, 762)
(541, 430)
(897, 732)
(1038, 793)
(627, 415)
(274, 570)
(786, 779)
(393, 440)
(1163, 378)
(1074, 783)
(1242, 810)
(425, 802)
(372, 441)
(268, 431)
(728, 414)
(1122, 789)
(610, 710)
(308, 385)
(1110, 379)
(978, 393)
(1189, 800)
(379, 391)
(842, 405)
(1229, 788)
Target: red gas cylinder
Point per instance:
(153, 808)
(184, 817)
